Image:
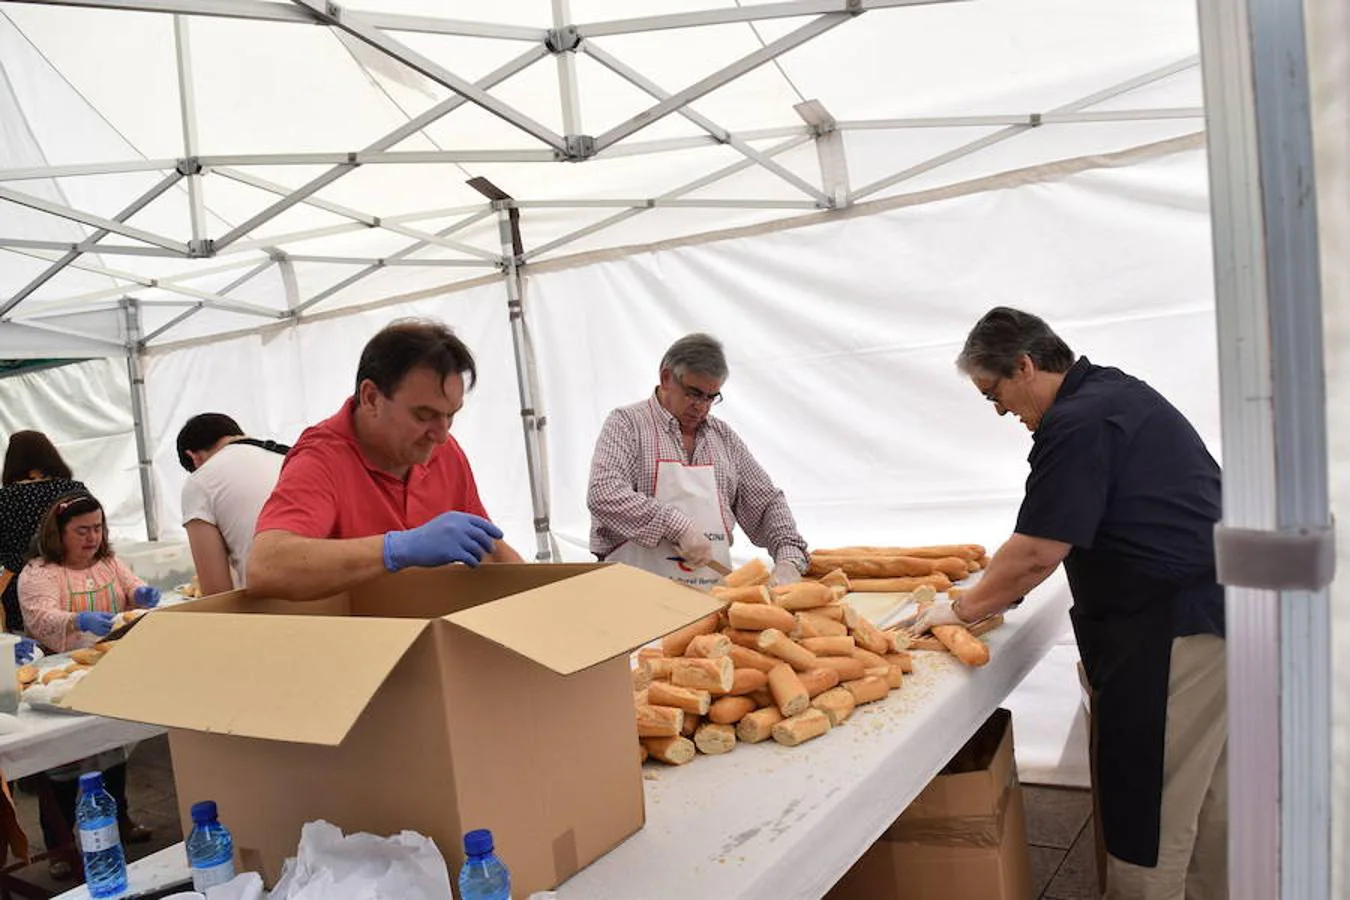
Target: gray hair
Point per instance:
(1003, 336)
(698, 353)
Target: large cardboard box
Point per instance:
(963, 838)
(433, 700)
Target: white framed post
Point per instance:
(1274, 545)
(131, 309)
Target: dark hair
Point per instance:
(1004, 335)
(407, 344)
(202, 432)
(30, 451)
(47, 542)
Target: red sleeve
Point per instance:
(305, 500)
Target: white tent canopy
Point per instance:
(232, 195)
(227, 166)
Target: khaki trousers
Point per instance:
(1193, 846)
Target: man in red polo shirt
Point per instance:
(381, 485)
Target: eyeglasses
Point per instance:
(696, 396)
(992, 393)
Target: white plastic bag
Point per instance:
(329, 866)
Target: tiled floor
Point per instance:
(1059, 827)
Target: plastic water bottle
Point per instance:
(105, 866)
(210, 849)
(483, 876)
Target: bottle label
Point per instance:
(210, 876)
(92, 840)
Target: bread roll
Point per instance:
(690, 724)
(841, 645)
(775, 643)
(753, 572)
(809, 625)
(675, 751)
(758, 725)
(837, 703)
(703, 674)
(754, 593)
(658, 721)
(675, 643)
(818, 681)
(867, 689)
(687, 699)
(747, 681)
(713, 738)
(730, 710)
(801, 728)
(964, 646)
(849, 669)
(746, 658)
(803, 595)
(869, 637)
(709, 646)
(27, 674)
(903, 659)
(757, 617)
(789, 694)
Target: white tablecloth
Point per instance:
(767, 822)
(42, 740)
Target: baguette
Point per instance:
(841, 645)
(837, 703)
(803, 595)
(748, 658)
(752, 573)
(835, 578)
(789, 694)
(870, 566)
(704, 674)
(868, 637)
(709, 646)
(774, 643)
(675, 751)
(818, 681)
(751, 593)
(747, 681)
(757, 617)
(687, 699)
(849, 669)
(659, 721)
(962, 644)
(758, 725)
(964, 551)
(936, 581)
(800, 728)
(982, 627)
(675, 643)
(809, 625)
(713, 738)
(730, 710)
(868, 689)
(869, 659)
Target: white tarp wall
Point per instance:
(85, 409)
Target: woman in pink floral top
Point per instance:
(70, 591)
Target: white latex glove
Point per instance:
(784, 573)
(940, 613)
(695, 547)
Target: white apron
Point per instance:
(693, 491)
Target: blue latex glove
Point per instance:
(99, 623)
(450, 537)
(145, 596)
(25, 651)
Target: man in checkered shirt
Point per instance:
(669, 481)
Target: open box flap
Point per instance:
(577, 622)
(243, 674)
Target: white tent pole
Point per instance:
(751, 13)
(66, 212)
(75, 252)
(830, 152)
(187, 106)
(1276, 514)
(722, 76)
(530, 418)
(358, 26)
(139, 418)
(81, 247)
(285, 12)
(1013, 131)
(41, 173)
(411, 127)
(563, 41)
(623, 70)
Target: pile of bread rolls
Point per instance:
(51, 684)
(787, 663)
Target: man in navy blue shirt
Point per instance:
(1124, 493)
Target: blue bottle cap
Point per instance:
(204, 813)
(90, 782)
(478, 842)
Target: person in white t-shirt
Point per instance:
(230, 477)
